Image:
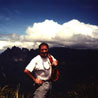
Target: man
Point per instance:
(42, 67)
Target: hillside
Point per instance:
(75, 66)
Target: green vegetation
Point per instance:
(8, 92)
(85, 90)
(88, 90)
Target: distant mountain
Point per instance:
(75, 66)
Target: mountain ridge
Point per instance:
(75, 66)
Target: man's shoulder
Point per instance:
(37, 57)
(52, 57)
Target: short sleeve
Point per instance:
(30, 67)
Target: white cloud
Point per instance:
(70, 33)
(43, 31)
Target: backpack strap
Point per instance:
(55, 71)
(50, 58)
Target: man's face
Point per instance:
(44, 51)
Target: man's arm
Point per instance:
(29, 74)
(32, 77)
(55, 63)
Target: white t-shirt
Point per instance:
(41, 66)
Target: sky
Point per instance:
(60, 23)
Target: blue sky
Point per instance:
(17, 15)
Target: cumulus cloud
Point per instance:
(72, 33)
(44, 31)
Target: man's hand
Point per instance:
(55, 63)
(39, 82)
